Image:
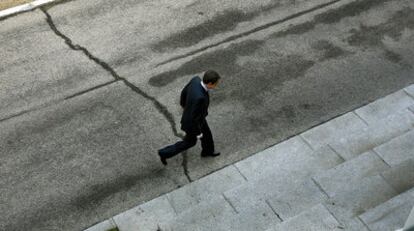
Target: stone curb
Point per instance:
(24, 8)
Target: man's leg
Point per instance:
(172, 150)
(207, 143)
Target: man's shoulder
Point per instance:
(196, 79)
(194, 82)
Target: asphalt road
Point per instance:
(89, 91)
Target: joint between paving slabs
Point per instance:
(171, 204)
(366, 226)
(114, 224)
(159, 106)
(320, 187)
(229, 202)
(388, 183)
(274, 211)
(362, 119)
(337, 153)
(379, 156)
(306, 142)
(238, 170)
(411, 109)
(406, 92)
(341, 225)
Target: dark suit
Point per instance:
(195, 100)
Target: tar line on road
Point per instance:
(160, 107)
(249, 32)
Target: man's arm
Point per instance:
(183, 96)
(197, 114)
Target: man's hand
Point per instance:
(200, 136)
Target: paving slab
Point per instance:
(360, 196)
(390, 215)
(376, 134)
(333, 180)
(218, 215)
(401, 176)
(68, 161)
(409, 224)
(205, 189)
(382, 108)
(204, 216)
(343, 126)
(257, 217)
(297, 199)
(317, 218)
(257, 192)
(37, 67)
(283, 156)
(397, 150)
(327, 157)
(148, 216)
(289, 171)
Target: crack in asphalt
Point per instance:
(247, 33)
(91, 89)
(14, 115)
(159, 106)
(36, 108)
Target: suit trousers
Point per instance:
(207, 143)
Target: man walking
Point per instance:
(194, 100)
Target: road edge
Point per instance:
(24, 7)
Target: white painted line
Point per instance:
(23, 8)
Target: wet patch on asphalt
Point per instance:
(226, 21)
(333, 16)
(223, 22)
(393, 57)
(373, 36)
(329, 50)
(211, 60)
(369, 36)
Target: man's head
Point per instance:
(211, 79)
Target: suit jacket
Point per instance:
(195, 100)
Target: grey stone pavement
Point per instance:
(355, 172)
(89, 92)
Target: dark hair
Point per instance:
(210, 76)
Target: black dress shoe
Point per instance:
(163, 160)
(211, 154)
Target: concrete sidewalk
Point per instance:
(355, 172)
